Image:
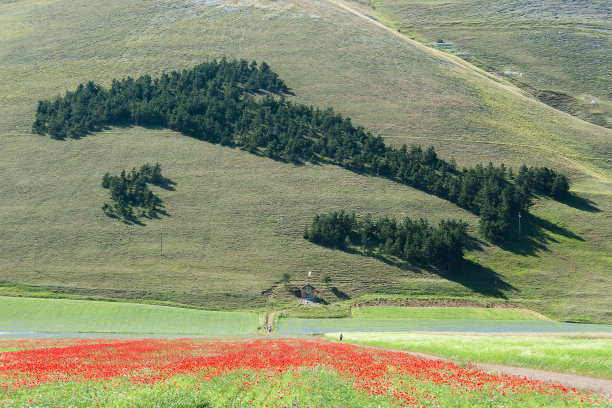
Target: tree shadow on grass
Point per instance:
(535, 236)
(478, 278)
(127, 221)
(165, 183)
(579, 203)
(133, 221)
(395, 262)
(473, 243)
(339, 294)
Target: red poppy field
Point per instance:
(254, 372)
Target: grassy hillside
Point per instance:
(235, 221)
(77, 316)
(557, 50)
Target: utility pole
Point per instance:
(519, 216)
(161, 241)
(35, 244)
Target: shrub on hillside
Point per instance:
(130, 191)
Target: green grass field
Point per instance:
(558, 45)
(293, 326)
(77, 316)
(395, 312)
(344, 309)
(235, 221)
(585, 355)
(372, 319)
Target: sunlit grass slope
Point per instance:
(77, 316)
(586, 355)
(560, 46)
(224, 241)
(235, 221)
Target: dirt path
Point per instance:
(272, 315)
(568, 380)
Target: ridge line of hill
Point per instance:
(499, 82)
(432, 51)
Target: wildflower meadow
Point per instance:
(254, 372)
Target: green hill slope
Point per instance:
(559, 51)
(235, 220)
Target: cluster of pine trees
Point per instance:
(543, 180)
(130, 191)
(241, 104)
(410, 240)
(204, 102)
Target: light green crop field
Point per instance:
(298, 326)
(77, 316)
(576, 354)
(235, 221)
(556, 45)
(343, 309)
(394, 312)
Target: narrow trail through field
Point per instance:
(273, 314)
(568, 380)
(271, 318)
